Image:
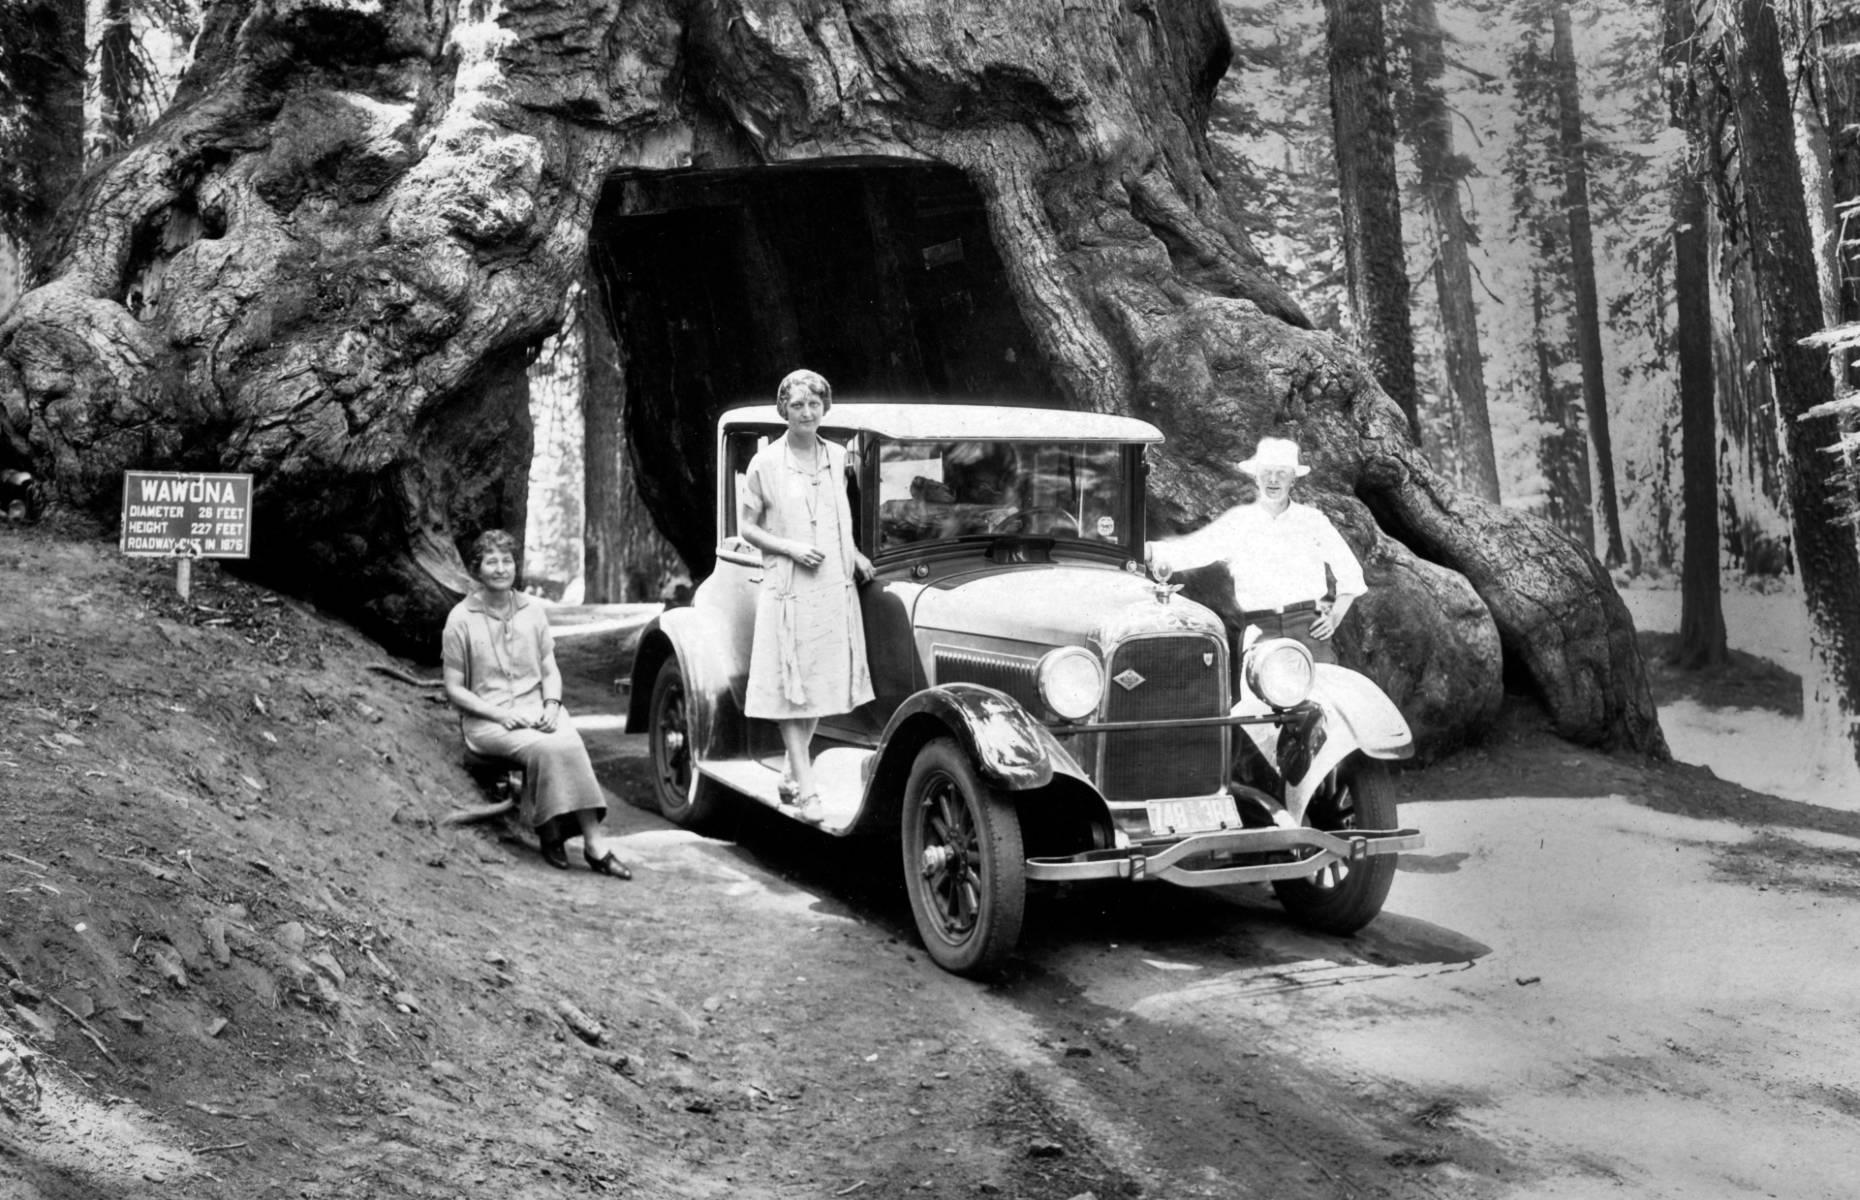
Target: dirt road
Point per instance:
(1567, 997)
(241, 957)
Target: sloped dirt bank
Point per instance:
(244, 958)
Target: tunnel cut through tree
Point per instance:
(881, 276)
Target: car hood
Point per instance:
(1056, 604)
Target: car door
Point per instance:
(737, 578)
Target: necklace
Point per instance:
(811, 497)
(504, 630)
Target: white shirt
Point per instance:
(1275, 560)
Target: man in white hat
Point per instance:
(1294, 575)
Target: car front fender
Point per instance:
(700, 643)
(1352, 699)
(1014, 751)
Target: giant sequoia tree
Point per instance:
(331, 260)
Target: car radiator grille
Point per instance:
(1174, 677)
(1018, 677)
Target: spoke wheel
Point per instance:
(683, 796)
(964, 865)
(1342, 897)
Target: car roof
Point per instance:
(973, 422)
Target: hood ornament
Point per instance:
(1159, 573)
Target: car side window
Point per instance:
(739, 446)
(914, 500)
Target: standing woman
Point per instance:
(807, 660)
(500, 674)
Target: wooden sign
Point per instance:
(184, 517)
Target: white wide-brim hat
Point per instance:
(1275, 452)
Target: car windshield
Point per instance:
(934, 490)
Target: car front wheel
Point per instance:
(964, 865)
(1343, 897)
(684, 796)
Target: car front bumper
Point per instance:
(1195, 861)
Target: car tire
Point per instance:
(681, 794)
(964, 865)
(1343, 897)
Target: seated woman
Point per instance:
(500, 674)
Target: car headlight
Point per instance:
(1071, 682)
(1279, 671)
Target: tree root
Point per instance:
(394, 672)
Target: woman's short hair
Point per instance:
(794, 381)
(489, 540)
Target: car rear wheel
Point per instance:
(964, 865)
(1343, 897)
(684, 796)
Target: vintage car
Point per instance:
(1047, 709)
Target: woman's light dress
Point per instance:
(502, 659)
(808, 655)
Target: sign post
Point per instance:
(185, 516)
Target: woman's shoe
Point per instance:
(555, 854)
(809, 807)
(607, 864)
(787, 791)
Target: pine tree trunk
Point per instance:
(625, 559)
(1582, 269)
(116, 99)
(1432, 136)
(1370, 201)
(1563, 453)
(553, 549)
(1701, 612)
(1746, 410)
(41, 123)
(1827, 557)
(1701, 616)
(603, 395)
(1837, 59)
(1838, 76)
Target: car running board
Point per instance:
(840, 772)
(1192, 862)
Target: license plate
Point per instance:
(1197, 815)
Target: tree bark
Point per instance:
(355, 225)
(1827, 559)
(1369, 199)
(1582, 269)
(1432, 134)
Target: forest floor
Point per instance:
(243, 955)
